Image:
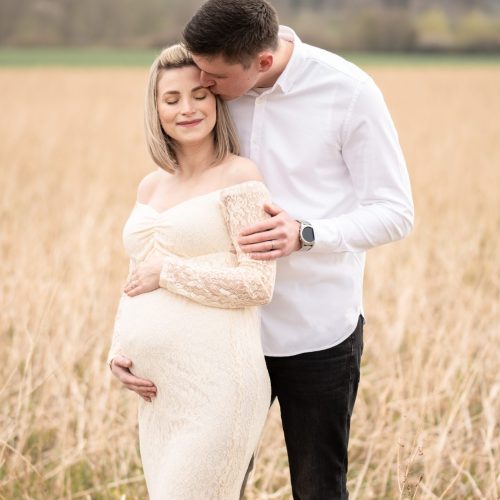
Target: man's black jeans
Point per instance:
(316, 392)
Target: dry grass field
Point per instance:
(427, 419)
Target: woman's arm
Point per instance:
(251, 282)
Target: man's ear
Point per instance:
(265, 61)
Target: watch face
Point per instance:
(308, 234)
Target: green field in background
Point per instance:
(76, 57)
(98, 57)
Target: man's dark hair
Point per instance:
(236, 29)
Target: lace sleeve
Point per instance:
(251, 282)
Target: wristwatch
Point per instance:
(306, 235)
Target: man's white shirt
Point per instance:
(329, 153)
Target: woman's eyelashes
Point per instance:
(199, 97)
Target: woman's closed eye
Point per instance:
(200, 96)
(197, 97)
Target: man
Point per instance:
(320, 132)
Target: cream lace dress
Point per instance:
(197, 338)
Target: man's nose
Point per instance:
(205, 80)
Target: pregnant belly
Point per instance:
(160, 328)
(198, 357)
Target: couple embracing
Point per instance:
(278, 167)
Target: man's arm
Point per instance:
(373, 156)
(377, 168)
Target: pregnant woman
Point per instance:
(195, 336)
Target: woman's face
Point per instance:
(187, 110)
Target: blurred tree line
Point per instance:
(367, 25)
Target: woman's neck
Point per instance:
(194, 159)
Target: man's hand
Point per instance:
(273, 238)
(145, 278)
(120, 367)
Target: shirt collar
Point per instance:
(287, 77)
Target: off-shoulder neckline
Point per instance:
(203, 195)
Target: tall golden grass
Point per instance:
(426, 422)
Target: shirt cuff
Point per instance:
(326, 235)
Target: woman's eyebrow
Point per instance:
(170, 92)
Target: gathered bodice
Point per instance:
(192, 228)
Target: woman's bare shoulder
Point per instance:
(240, 169)
(148, 185)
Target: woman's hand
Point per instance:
(120, 367)
(145, 278)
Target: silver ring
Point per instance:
(272, 245)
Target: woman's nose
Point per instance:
(188, 107)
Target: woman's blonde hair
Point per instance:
(160, 145)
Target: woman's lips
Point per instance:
(190, 123)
